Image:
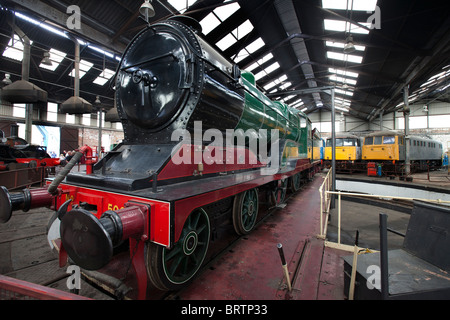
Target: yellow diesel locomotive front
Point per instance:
(383, 146)
(348, 148)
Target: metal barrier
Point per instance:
(19, 178)
(14, 289)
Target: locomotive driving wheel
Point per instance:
(278, 193)
(295, 182)
(170, 269)
(245, 211)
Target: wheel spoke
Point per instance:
(183, 261)
(172, 253)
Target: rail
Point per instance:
(14, 289)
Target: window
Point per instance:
(52, 112)
(378, 140)
(70, 118)
(388, 140)
(349, 142)
(19, 110)
(86, 120)
(302, 122)
(368, 141)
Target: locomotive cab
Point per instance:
(387, 146)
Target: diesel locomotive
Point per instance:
(389, 148)
(199, 135)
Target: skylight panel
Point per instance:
(104, 77)
(343, 72)
(235, 35)
(252, 47)
(85, 66)
(181, 5)
(344, 92)
(255, 45)
(356, 5)
(14, 50)
(220, 14)
(267, 70)
(209, 23)
(226, 42)
(342, 44)
(341, 25)
(261, 61)
(342, 102)
(287, 98)
(275, 82)
(297, 103)
(285, 85)
(224, 12)
(344, 57)
(55, 57)
(343, 80)
(343, 108)
(243, 30)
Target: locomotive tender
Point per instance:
(170, 80)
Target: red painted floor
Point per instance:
(252, 269)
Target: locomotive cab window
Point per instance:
(349, 142)
(368, 141)
(377, 140)
(302, 122)
(388, 140)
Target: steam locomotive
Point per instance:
(198, 135)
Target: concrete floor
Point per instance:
(365, 219)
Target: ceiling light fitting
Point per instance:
(46, 60)
(147, 10)
(349, 46)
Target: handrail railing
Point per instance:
(325, 202)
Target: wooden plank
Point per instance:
(14, 235)
(29, 252)
(43, 274)
(331, 283)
